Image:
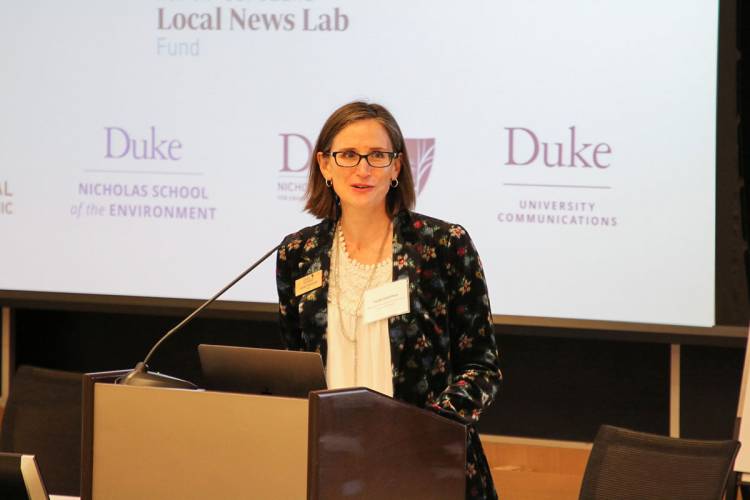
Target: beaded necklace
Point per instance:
(339, 256)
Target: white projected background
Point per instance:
(155, 148)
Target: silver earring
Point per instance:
(394, 183)
(329, 183)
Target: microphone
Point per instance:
(140, 375)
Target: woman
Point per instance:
(441, 353)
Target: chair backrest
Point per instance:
(626, 465)
(43, 418)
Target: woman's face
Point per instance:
(363, 186)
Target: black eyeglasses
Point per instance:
(376, 159)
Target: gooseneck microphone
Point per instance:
(140, 374)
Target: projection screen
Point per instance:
(156, 148)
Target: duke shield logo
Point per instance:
(421, 154)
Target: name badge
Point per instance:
(307, 283)
(385, 301)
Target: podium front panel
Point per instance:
(170, 443)
(366, 445)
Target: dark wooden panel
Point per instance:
(565, 388)
(710, 391)
(365, 445)
(555, 387)
(93, 342)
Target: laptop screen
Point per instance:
(20, 478)
(261, 371)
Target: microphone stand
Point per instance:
(140, 376)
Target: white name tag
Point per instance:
(385, 301)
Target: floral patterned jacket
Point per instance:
(443, 352)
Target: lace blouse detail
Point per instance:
(354, 276)
(359, 353)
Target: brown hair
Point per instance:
(320, 199)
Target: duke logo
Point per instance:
(421, 154)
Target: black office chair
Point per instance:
(43, 418)
(630, 465)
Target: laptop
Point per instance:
(20, 478)
(261, 371)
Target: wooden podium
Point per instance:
(143, 442)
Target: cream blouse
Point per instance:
(363, 360)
